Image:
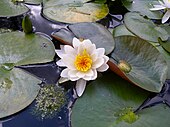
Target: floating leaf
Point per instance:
(27, 25)
(21, 49)
(33, 1)
(97, 33)
(110, 101)
(166, 27)
(71, 11)
(165, 44)
(8, 8)
(121, 30)
(148, 69)
(17, 90)
(143, 6)
(167, 58)
(144, 28)
(4, 30)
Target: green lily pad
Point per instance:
(4, 30)
(75, 10)
(167, 58)
(139, 62)
(165, 44)
(143, 6)
(21, 49)
(33, 1)
(27, 25)
(8, 8)
(17, 90)
(121, 31)
(144, 28)
(97, 33)
(110, 101)
(166, 27)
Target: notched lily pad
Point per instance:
(17, 88)
(97, 33)
(121, 30)
(144, 28)
(109, 101)
(165, 44)
(75, 10)
(143, 6)
(142, 63)
(167, 58)
(9, 8)
(21, 49)
(17, 91)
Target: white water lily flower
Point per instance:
(82, 61)
(163, 5)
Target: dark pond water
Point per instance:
(49, 73)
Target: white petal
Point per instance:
(166, 16)
(94, 56)
(64, 73)
(76, 42)
(100, 51)
(80, 86)
(89, 73)
(72, 73)
(69, 61)
(80, 74)
(95, 75)
(106, 59)
(69, 50)
(87, 78)
(87, 42)
(61, 63)
(74, 78)
(62, 80)
(104, 67)
(80, 49)
(98, 63)
(91, 49)
(167, 3)
(60, 53)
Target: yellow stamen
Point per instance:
(83, 62)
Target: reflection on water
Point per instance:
(40, 23)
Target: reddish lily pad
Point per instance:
(139, 62)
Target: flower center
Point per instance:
(83, 61)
